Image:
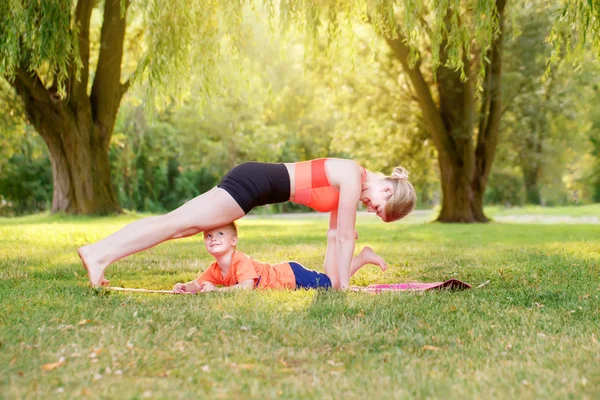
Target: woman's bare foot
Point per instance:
(370, 257)
(95, 271)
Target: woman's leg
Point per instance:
(209, 210)
(367, 256)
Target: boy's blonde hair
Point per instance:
(403, 199)
(232, 226)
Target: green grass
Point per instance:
(532, 332)
(569, 211)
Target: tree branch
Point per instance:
(83, 15)
(487, 139)
(456, 101)
(125, 86)
(106, 90)
(30, 82)
(431, 114)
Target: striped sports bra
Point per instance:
(313, 188)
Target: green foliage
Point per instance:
(146, 168)
(40, 35)
(26, 178)
(576, 30)
(178, 38)
(505, 186)
(592, 173)
(545, 123)
(25, 171)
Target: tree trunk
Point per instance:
(457, 203)
(80, 166)
(532, 191)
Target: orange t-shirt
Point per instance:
(243, 267)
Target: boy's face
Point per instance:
(220, 240)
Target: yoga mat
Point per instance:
(121, 289)
(451, 284)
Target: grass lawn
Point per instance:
(532, 332)
(569, 211)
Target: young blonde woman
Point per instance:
(327, 185)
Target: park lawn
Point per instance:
(532, 332)
(586, 210)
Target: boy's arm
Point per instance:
(188, 287)
(248, 284)
(192, 286)
(197, 284)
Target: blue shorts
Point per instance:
(309, 279)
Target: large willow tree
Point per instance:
(65, 59)
(466, 45)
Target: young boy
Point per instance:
(235, 270)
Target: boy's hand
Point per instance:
(208, 287)
(179, 288)
(356, 235)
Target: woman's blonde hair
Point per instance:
(403, 199)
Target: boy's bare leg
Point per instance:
(367, 256)
(208, 210)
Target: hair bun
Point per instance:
(400, 173)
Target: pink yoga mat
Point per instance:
(452, 284)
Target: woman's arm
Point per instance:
(331, 268)
(349, 185)
(346, 220)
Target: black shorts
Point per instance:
(254, 184)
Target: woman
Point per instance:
(328, 185)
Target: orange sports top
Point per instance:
(313, 188)
(243, 267)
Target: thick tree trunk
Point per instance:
(80, 166)
(458, 200)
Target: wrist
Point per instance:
(193, 286)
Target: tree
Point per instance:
(76, 128)
(530, 101)
(451, 51)
(66, 61)
(456, 116)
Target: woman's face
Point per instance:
(376, 197)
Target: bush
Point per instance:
(505, 187)
(25, 185)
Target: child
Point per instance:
(235, 270)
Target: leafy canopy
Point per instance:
(180, 36)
